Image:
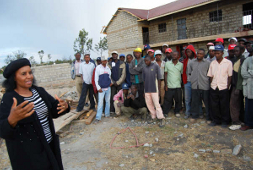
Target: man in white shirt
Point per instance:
(75, 73)
(86, 70)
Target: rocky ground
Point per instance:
(179, 145)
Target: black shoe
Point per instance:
(133, 117)
(213, 124)
(77, 110)
(224, 125)
(165, 115)
(162, 123)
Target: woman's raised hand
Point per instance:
(62, 106)
(17, 113)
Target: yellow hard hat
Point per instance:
(138, 50)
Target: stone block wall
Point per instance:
(53, 76)
(124, 32)
(197, 22)
(1, 79)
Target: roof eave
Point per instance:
(184, 9)
(120, 9)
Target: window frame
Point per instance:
(163, 29)
(215, 16)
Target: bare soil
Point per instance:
(88, 146)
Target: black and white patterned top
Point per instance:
(42, 112)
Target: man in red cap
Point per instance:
(231, 53)
(150, 53)
(220, 41)
(168, 53)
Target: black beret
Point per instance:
(14, 66)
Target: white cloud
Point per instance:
(52, 26)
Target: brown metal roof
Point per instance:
(139, 13)
(167, 9)
(173, 7)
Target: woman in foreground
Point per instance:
(26, 123)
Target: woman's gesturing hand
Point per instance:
(17, 113)
(62, 106)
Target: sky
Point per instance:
(53, 25)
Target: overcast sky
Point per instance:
(53, 25)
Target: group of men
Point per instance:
(156, 81)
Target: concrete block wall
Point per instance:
(1, 79)
(52, 76)
(197, 22)
(124, 32)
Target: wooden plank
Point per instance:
(62, 94)
(64, 120)
(90, 119)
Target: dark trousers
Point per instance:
(171, 94)
(183, 92)
(114, 90)
(236, 106)
(140, 88)
(197, 97)
(248, 112)
(220, 106)
(83, 97)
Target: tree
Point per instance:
(82, 44)
(49, 57)
(16, 55)
(32, 60)
(101, 46)
(41, 54)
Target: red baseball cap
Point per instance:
(231, 46)
(150, 50)
(210, 43)
(219, 40)
(168, 50)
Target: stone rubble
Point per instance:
(237, 149)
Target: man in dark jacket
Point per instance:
(236, 96)
(134, 104)
(118, 70)
(129, 58)
(135, 69)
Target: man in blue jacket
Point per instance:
(103, 84)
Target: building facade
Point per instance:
(180, 23)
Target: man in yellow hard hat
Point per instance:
(135, 69)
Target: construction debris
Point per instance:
(64, 120)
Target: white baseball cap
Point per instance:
(104, 58)
(232, 38)
(165, 45)
(158, 52)
(115, 52)
(211, 48)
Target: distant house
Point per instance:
(179, 23)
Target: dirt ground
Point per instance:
(179, 145)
